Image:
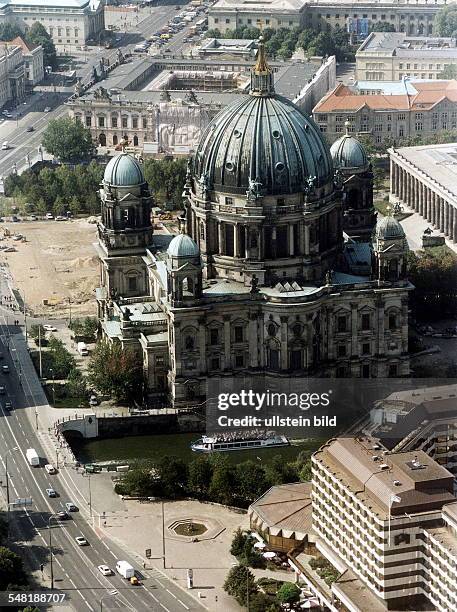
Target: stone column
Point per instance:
(446, 217)
(220, 229)
(227, 343)
(434, 209)
(307, 248)
(441, 214)
(235, 240)
(254, 341)
(202, 344)
(354, 329)
(380, 314)
(301, 238)
(421, 199)
(291, 240)
(273, 243)
(284, 355)
(454, 238)
(330, 334)
(429, 204)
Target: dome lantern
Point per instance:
(262, 81)
(123, 171)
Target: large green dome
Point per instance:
(265, 138)
(123, 171)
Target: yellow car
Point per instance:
(134, 580)
(165, 36)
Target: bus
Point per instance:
(201, 24)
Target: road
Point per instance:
(24, 146)
(75, 567)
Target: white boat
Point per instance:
(238, 441)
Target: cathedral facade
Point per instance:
(280, 266)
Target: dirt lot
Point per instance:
(57, 263)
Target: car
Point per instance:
(2, 390)
(30, 128)
(50, 328)
(5, 369)
(8, 406)
(60, 218)
(33, 218)
(93, 400)
(49, 216)
(62, 515)
(51, 493)
(70, 506)
(5, 146)
(50, 468)
(134, 580)
(47, 109)
(81, 541)
(105, 570)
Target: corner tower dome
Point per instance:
(388, 227)
(262, 138)
(123, 171)
(348, 153)
(183, 246)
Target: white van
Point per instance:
(5, 146)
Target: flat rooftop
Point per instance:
(399, 41)
(437, 162)
(374, 475)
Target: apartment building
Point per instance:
(391, 56)
(388, 519)
(70, 23)
(391, 112)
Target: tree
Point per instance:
(288, 593)
(222, 482)
(446, 21)
(61, 360)
(11, 569)
(8, 31)
(260, 602)
(38, 35)
(251, 481)
(200, 474)
(449, 72)
(306, 472)
(115, 371)
(37, 331)
(167, 177)
(382, 26)
(172, 475)
(240, 582)
(137, 481)
(68, 140)
(76, 384)
(434, 276)
(238, 543)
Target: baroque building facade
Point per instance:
(262, 277)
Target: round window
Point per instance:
(276, 134)
(229, 166)
(279, 167)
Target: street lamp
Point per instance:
(112, 593)
(10, 450)
(53, 386)
(40, 151)
(53, 516)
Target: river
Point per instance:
(154, 447)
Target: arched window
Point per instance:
(135, 141)
(115, 140)
(102, 140)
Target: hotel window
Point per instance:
(408, 66)
(323, 128)
(401, 117)
(88, 121)
(114, 122)
(229, 201)
(321, 117)
(374, 17)
(124, 121)
(416, 66)
(419, 126)
(144, 121)
(383, 17)
(400, 66)
(366, 348)
(228, 20)
(389, 127)
(378, 139)
(101, 122)
(135, 123)
(216, 20)
(438, 66)
(267, 21)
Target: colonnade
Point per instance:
(416, 194)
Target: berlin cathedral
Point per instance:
(281, 265)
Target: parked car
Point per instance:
(93, 400)
(51, 493)
(2, 390)
(50, 328)
(8, 406)
(47, 109)
(5, 369)
(60, 218)
(33, 218)
(81, 541)
(105, 570)
(49, 215)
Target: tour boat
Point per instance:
(238, 441)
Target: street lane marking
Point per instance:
(183, 604)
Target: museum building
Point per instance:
(280, 266)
